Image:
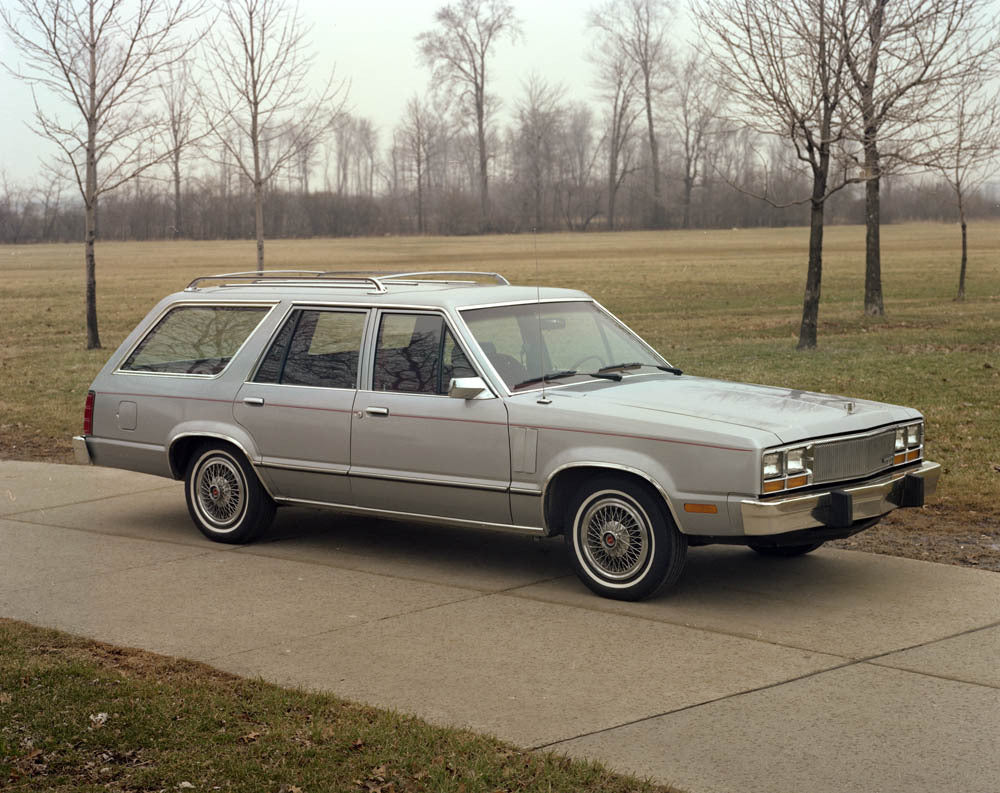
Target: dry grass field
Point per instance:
(716, 303)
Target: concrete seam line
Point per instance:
(217, 547)
(694, 705)
(856, 662)
(936, 676)
(104, 573)
(351, 626)
(658, 621)
(966, 632)
(88, 501)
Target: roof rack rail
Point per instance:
(417, 276)
(348, 278)
(293, 276)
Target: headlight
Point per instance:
(772, 465)
(786, 469)
(798, 461)
(913, 434)
(900, 438)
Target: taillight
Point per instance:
(88, 414)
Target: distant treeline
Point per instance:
(146, 211)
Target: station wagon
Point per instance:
(461, 399)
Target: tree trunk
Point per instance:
(177, 193)
(688, 187)
(90, 199)
(659, 216)
(965, 250)
(90, 268)
(814, 274)
(873, 254)
(484, 200)
(420, 194)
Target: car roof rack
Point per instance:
(358, 279)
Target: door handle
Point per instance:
(373, 411)
(256, 401)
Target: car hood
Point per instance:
(789, 414)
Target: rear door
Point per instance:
(413, 448)
(297, 406)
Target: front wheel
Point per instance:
(622, 542)
(225, 499)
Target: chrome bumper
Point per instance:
(80, 450)
(870, 500)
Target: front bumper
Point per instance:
(839, 507)
(81, 451)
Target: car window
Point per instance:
(315, 348)
(417, 353)
(195, 339)
(526, 341)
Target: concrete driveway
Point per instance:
(840, 671)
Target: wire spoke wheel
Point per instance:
(221, 491)
(615, 535)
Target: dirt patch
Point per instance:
(18, 442)
(933, 534)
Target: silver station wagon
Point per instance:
(458, 398)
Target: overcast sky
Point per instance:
(372, 43)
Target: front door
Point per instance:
(413, 448)
(298, 404)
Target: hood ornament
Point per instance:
(850, 406)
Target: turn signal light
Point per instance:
(912, 455)
(797, 481)
(774, 485)
(703, 509)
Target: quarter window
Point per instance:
(315, 348)
(195, 339)
(417, 353)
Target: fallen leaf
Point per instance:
(358, 744)
(5, 698)
(186, 786)
(250, 737)
(98, 720)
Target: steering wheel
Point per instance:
(579, 364)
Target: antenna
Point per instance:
(543, 399)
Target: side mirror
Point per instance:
(466, 387)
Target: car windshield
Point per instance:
(537, 343)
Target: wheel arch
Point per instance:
(183, 444)
(564, 480)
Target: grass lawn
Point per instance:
(716, 303)
(83, 717)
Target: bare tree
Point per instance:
(968, 150)
(905, 60)
(539, 118)
(100, 59)
(457, 52)
(616, 82)
(418, 135)
(259, 95)
(783, 66)
(697, 104)
(637, 30)
(177, 90)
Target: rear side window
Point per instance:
(315, 348)
(195, 339)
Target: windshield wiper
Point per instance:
(637, 365)
(546, 377)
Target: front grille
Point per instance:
(853, 458)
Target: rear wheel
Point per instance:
(785, 551)
(622, 542)
(225, 499)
